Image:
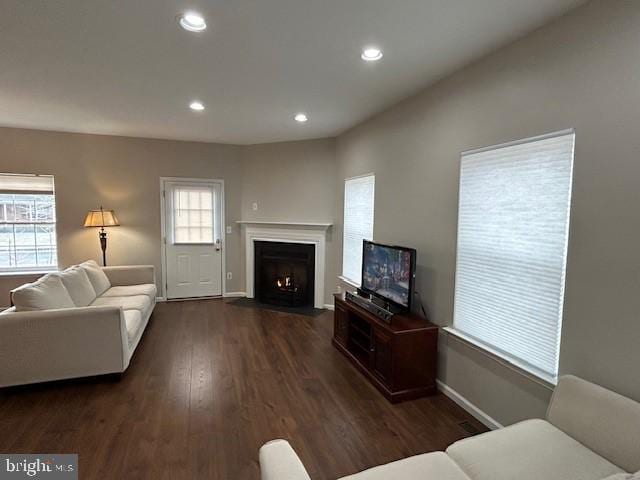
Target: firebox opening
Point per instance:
(284, 273)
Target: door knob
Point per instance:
(218, 245)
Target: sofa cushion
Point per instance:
(46, 293)
(529, 450)
(436, 466)
(133, 322)
(148, 289)
(77, 283)
(134, 302)
(97, 277)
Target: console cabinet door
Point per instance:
(341, 325)
(381, 361)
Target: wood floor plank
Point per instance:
(211, 382)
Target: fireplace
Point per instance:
(284, 273)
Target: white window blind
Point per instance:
(193, 214)
(27, 223)
(359, 196)
(513, 227)
(26, 184)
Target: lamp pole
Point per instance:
(103, 245)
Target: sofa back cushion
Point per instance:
(78, 285)
(46, 293)
(603, 421)
(96, 276)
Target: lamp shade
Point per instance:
(101, 218)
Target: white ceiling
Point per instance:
(126, 68)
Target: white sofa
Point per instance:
(590, 433)
(86, 320)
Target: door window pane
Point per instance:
(193, 211)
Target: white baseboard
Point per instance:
(234, 294)
(468, 406)
(224, 295)
(328, 306)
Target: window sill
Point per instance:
(24, 273)
(351, 283)
(517, 366)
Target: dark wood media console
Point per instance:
(399, 359)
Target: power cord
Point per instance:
(417, 294)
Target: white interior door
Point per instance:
(193, 239)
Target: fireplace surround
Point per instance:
(308, 233)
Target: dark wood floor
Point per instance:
(210, 383)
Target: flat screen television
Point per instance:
(388, 273)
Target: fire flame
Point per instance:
(285, 283)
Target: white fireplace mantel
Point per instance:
(310, 225)
(310, 233)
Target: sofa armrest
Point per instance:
(278, 461)
(48, 345)
(602, 420)
(130, 275)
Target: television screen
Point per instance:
(387, 272)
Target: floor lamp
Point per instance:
(102, 218)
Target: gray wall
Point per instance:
(120, 173)
(582, 71)
(293, 181)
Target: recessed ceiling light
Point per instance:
(300, 117)
(192, 22)
(371, 54)
(197, 106)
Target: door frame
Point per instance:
(163, 220)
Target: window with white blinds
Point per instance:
(27, 223)
(359, 195)
(513, 228)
